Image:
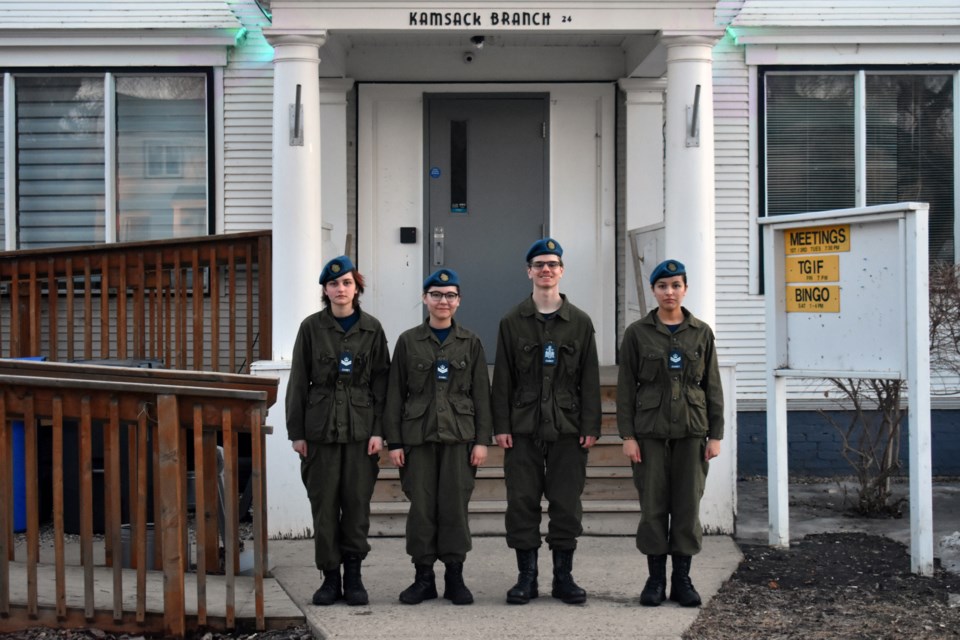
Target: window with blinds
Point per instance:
(159, 137)
(60, 161)
(910, 142)
(811, 152)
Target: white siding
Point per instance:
(830, 13)
(114, 14)
(248, 122)
(740, 315)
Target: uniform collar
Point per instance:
(528, 308)
(328, 321)
(424, 332)
(689, 320)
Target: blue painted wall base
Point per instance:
(815, 445)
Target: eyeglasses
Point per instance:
(437, 296)
(553, 264)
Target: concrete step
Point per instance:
(600, 517)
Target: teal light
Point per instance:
(732, 34)
(241, 37)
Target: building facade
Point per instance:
(418, 134)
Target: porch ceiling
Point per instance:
(503, 56)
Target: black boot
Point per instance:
(655, 591)
(681, 588)
(526, 587)
(329, 592)
(424, 586)
(353, 590)
(453, 588)
(564, 588)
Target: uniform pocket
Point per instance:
(650, 367)
(464, 411)
(527, 354)
(418, 371)
(648, 410)
(318, 413)
(411, 427)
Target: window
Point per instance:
(141, 172)
(815, 160)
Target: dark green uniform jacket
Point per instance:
(546, 400)
(327, 405)
(656, 401)
(420, 408)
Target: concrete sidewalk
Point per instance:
(610, 569)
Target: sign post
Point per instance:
(847, 297)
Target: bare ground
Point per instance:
(831, 585)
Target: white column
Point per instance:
(297, 231)
(333, 164)
(690, 202)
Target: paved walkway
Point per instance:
(609, 568)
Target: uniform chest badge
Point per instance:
(443, 370)
(676, 359)
(346, 362)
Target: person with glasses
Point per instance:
(670, 416)
(437, 423)
(334, 400)
(546, 408)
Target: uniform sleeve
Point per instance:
(298, 386)
(483, 417)
(396, 392)
(502, 383)
(591, 411)
(379, 379)
(627, 384)
(713, 389)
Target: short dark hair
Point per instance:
(361, 285)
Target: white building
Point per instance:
(456, 133)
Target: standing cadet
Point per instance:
(437, 424)
(336, 393)
(670, 416)
(546, 407)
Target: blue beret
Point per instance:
(544, 246)
(336, 268)
(668, 269)
(442, 278)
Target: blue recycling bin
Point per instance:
(19, 468)
(19, 479)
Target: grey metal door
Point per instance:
(486, 186)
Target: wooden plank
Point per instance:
(86, 506)
(184, 537)
(265, 299)
(158, 534)
(52, 316)
(34, 292)
(172, 499)
(198, 339)
(70, 324)
(232, 304)
(87, 309)
(58, 527)
(213, 341)
(15, 319)
(113, 495)
(30, 479)
(249, 312)
(257, 474)
(141, 519)
(211, 501)
(230, 505)
(121, 302)
(200, 511)
(104, 308)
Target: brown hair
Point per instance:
(361, 285)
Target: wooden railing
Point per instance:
(159, 413)
(201, 304)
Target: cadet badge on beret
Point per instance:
(335, 268)
(551, 245)
(672, 266)
(444, 277)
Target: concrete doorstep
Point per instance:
(610, 569)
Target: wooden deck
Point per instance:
(280, 611)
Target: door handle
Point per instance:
(438, 246)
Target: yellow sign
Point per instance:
(814, 269)
(817, 239)
(813, 298)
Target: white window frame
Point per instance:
(214, 93)
(758, 144)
